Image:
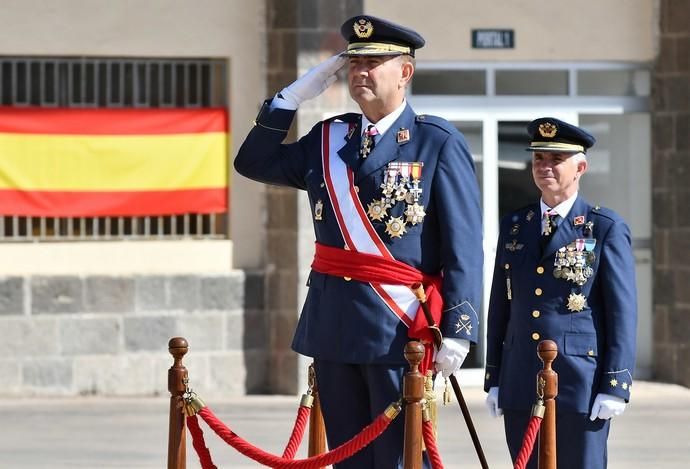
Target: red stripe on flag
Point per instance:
(79, 121)
(121, 203)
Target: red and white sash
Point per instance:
(357, 230)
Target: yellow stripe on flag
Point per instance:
(107, 162)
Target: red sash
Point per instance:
(375, 269)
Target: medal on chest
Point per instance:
(401, 185)
(574, 262)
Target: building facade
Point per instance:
(94, 315)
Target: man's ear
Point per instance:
(406, 73)
(581, 167)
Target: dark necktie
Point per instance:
(368, 141)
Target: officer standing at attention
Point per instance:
(389, 190)
(564, 271)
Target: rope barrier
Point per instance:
(297, 432)
(528, 442)
(430, 443)
(199, 443)
(347, 449)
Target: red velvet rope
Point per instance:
(528, 442)
(347, 449)
(430, 442)
(297, 432)
(199, 443)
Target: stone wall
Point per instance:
(671, 194)
(299, 33)
(108, 335)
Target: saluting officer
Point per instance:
(564, 271)
(393, 197)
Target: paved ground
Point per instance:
(132, 433)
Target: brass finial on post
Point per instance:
(317, 428)
(547, 386)
(177, 385)
(413, 393)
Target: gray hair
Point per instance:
(577, 157)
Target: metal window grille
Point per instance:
(113, 83)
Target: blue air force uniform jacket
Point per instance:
(344, 320)
(593, 324)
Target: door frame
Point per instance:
(489, 119)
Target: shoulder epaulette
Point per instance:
(605, 212)
(436, 121)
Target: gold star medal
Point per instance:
(378, 209)
(576, 302)
(414, 213)
(395, 227)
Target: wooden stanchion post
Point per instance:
(177, 377)
(317, 429)
(413, 393)
(547, 383)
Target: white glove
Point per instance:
(314, 82)
(606, 406)
(492, 402)
(451, 355)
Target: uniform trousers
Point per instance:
(352, 396)
(581, 443)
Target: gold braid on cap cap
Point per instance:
(364, 48)
(568, 147)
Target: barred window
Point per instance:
(97, 82)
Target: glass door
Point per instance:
(497, 141)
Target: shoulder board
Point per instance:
(605, 212)
(349, 117)
(436, 121)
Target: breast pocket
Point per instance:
(583, 345)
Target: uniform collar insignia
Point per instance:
(403, 135)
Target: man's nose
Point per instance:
(359, 69)
(543, 165)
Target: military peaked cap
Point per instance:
(555, 135)
(368, 35)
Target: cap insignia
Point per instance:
(363, 28)
(548, 130)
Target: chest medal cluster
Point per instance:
(574, 261)
(401, 184)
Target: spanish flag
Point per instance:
(113, 162)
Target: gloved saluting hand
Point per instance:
(451, 355)
(314, 82)
(606, 406)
